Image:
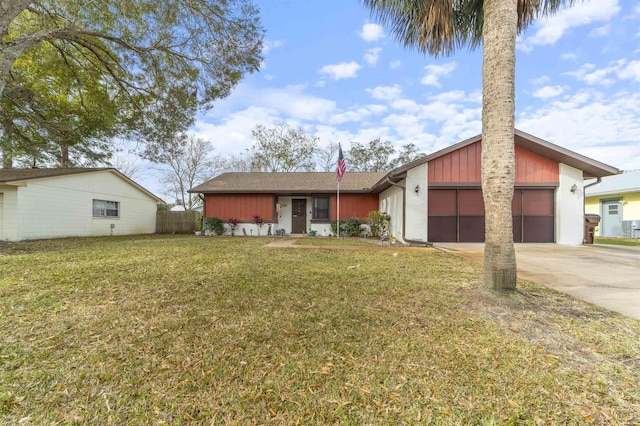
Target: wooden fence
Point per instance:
(178, 222)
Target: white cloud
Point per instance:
(385, 93)
(548, 92)
(433, 73)
(570, 56)
(600, 31)
(606, 76)
(543, 79)
(371, 56)
(630, 71)
(353, 116)
(408, 126)
(603, 126)
(371, 32)
(406, 105)
(341, 70)
(269, 45)
(451, 96)
(550, 30)
(395, 65)
(357, 115)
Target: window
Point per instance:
(102, 208)
(321, 208)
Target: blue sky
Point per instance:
(330, 69)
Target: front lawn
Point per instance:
(161, 330)
(618, 241)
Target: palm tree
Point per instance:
(439, 27)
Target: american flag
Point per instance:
(342, 166)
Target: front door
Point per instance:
(299, 216)
(611, 225)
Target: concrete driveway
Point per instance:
(606, 275)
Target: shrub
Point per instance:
(198, 224)
(214, 224)
(379, 223)
(350, 226)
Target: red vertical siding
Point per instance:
(354, 205)
(463, 166)
(531, 167)
(239, 206)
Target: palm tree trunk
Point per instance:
(498, 156)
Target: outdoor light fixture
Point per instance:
(417, 189)
(574, 188)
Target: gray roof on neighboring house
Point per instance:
(590, 167)
(627, 181)
(17, 176)
(10, 175)
(288, 183)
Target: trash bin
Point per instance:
(591, 221)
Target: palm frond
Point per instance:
(439, 27)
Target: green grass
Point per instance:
(618, 241)
(324, 241)
(161, 330)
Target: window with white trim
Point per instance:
(104, 208)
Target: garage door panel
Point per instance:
(537, 202)
(470, 202)
(517, 229)
(516, 203)
(442, 202)
(443, 229)
(458, 215)
(471, 229)
(537, 229)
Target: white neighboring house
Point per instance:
(74, 202)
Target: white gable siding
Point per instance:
(1, 216)
(63, 207)
(570, 206)
(416, 204)
(391, 202)
(8, 228)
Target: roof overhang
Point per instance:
(591, 168)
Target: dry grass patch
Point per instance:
(324, 241)
(222, 330)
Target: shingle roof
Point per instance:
(9, 175)
(283, 183)
(628, 181)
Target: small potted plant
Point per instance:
(233, 225)
(313, 232)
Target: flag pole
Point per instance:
(338, 212)
(340, 170)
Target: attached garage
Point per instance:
(457, 215)
(444, 190)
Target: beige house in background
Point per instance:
(74, 202)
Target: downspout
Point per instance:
(598, 180)
(584, 204)
(404, 221)
(204, 208)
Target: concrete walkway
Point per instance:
(606, 275)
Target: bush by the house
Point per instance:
(379, 223)
(350, 226)
(214, 224)
(198, 223)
